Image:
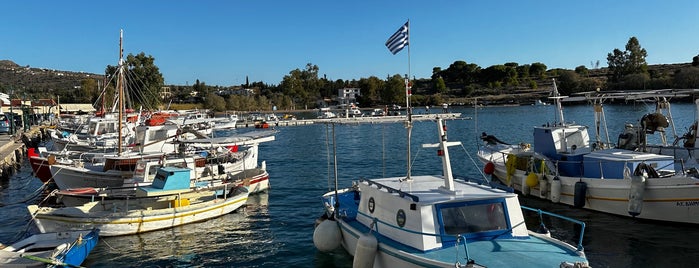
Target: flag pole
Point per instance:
(409, 123)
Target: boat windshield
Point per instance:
(473, 218)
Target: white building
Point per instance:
(348, 95)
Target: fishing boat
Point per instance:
(58, 249)
(256, 180)
(168, 202)
(436, 221)
(683, 148)
(564, 166)
(123, 171)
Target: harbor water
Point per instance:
(276, 228)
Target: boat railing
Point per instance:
(582, 224)
(391, 190)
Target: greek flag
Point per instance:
(399, 39)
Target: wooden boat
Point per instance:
(256, 180)
(126, 171)
(59, 249)
(167, 203)
(564, 166)
(436, 221)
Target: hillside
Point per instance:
(39, 82)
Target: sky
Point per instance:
(222, 42)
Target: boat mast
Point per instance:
(120, 87)
(557, 99)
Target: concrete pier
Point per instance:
(13, 149)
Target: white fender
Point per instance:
(327, 236)
(638, 186)
(556, 190)
(365, 252)
(543, 186)
(525, 187)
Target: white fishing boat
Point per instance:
(58, 249)
(564, 166)
(168, 202)
(436, 221)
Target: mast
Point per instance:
(120, 88)
(557, 99)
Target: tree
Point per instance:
(495, 75)
(636, 57)
(215, 103)
(439, 85)
(88, 91)
(582, 70)
(371, 88)
(687, 78)
(394, 90)
(568, 82)
(630, 61)
(303, 86)
(616, 62)
(538, 69)
(695, 60)
(143, 80)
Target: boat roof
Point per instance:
(428, 189)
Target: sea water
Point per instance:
(276, 228)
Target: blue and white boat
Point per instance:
(59, 249)
(565, 166)
(437, 221)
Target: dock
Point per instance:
(356, 120)
(13, 149)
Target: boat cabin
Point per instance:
(475, 212)
(565, 144)
(168, 180)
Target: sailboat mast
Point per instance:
(120, 87)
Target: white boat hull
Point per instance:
(112, 223)
(673, 199)
(69, 177)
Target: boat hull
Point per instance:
(672, 199)
(92, 215)
(68, 177)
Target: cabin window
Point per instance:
(575, 140)
(473, 218)
(160, 134)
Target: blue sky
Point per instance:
(222, 42)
